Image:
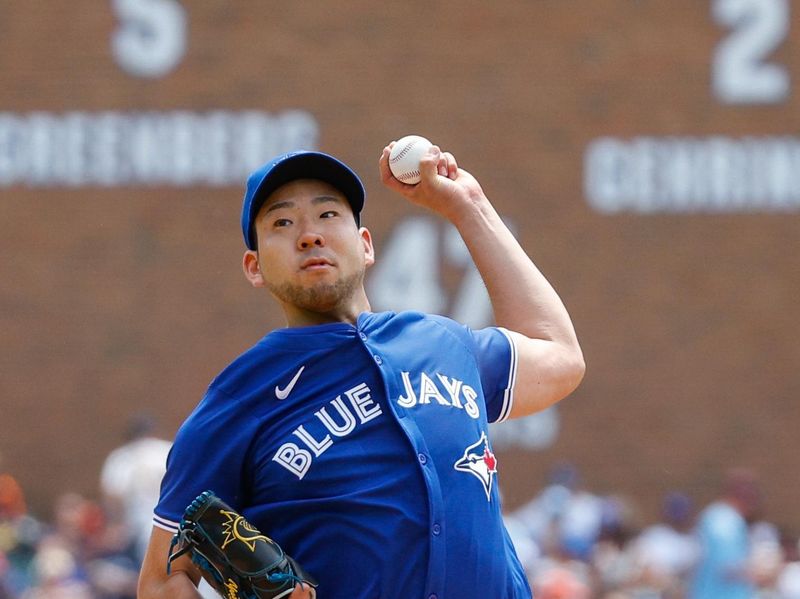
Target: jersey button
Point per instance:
(437, 529)
(423, 459)
(363, 335)
(433, 596)
(378, 359)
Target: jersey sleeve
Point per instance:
(496, 356)
(209, 453)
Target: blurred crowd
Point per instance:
(574, 544)
(89, 548)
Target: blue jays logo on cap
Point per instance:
(298, 165)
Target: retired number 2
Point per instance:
(741, 73)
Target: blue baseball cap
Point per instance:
(289, 167)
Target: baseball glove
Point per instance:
(232, 555)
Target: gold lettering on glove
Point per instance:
(233, 589)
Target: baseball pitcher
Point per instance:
(348, 454)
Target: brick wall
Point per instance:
(116, 300)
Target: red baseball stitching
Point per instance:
(404, 151)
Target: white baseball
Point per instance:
(405, 156)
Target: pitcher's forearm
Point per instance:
(178, 586)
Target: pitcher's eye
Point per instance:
(329, 214)
(281, 222)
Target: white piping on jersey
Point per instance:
(508, 394)
(167, 525)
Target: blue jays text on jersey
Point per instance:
(364, 451)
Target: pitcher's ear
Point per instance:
(252, 269)
(369, 249)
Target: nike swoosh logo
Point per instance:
(284, 393)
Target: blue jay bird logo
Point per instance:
(479, 461)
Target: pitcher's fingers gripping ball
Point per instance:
(405, 157)
(233, 556)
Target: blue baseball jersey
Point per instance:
(364, 451)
